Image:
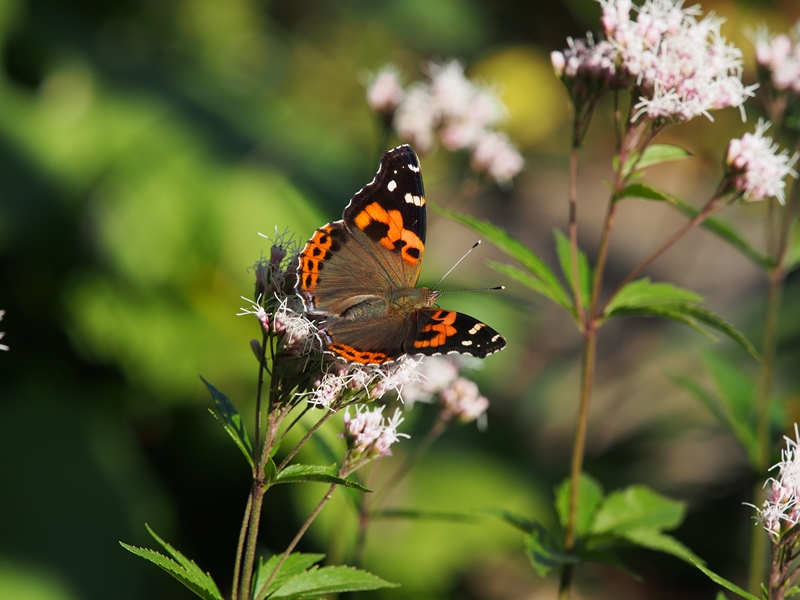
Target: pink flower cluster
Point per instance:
(757, 169)
(682, 66)
(586, 64)
(369, 435)
(780, 511)
(463, 116)
(780, 56)
(458, 397)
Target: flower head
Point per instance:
(385, 92)
(461, 400)
(779, 56)
(450, 108)
(780, 511)
(681, 67)
(494, 155)
(369, 435)
(756, 168)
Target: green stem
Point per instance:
(297, 538)
(578, 449)
(573, 237)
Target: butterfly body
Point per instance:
(358, 276)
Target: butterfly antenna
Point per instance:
(487, 289)
(475, 245)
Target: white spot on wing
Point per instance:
(415, 200)
(466, 343)
(476, 328)
(391, 186)
(413, 168)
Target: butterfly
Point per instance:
(357, 277)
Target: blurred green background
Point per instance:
(143, 147)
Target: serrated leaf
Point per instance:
(658, 153)
(564, 250)
(590, 495)
(330, 580)
(231, 421)
(643, 293)
(295, 563)
(640, 190)
(724, 231)
(637, 507)
(522, 523)
(550, 285)
(180, 567)
(690, 314)
(545, 554)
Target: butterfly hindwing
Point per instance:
(440, 331)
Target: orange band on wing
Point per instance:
(350, 354)
(444, 329)
(411, 246)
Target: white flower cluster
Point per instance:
(780, 511)
(758, 170)
(458, 397)
(374, 380)
(681, 67)
(780, 56)
(369, 435)
(463, 115)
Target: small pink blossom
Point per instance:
(369, 435)
(780, 511)
(433, 374)
(417, 117)
(757, 169)
(461, 400)
(780, 56)
(494, 155)
(385, 92)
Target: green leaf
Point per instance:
(793, 250)
(314, 474)
(643, 293)
(590, 495)
(295, 563)
(330, 580)
(564, 250)
(181, 568)
(724, 231)
(231, 420)
(792, 591)
(522, 523)
(550, 286)
(690, 315)
(658, 153)
(721, 596)
(545, 554)
(734, 386)
(533, 283)
(637, 507)
(655, 540)
(724, 582)
(640, 190)
(741, 430)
